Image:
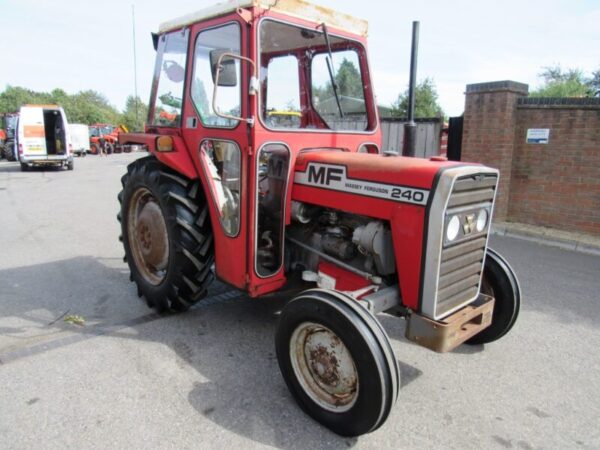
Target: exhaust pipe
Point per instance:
(410, 128)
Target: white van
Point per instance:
(43, 137)
(80, 139)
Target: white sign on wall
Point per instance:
(538, 135)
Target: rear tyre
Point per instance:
(9, 150)
(167, 235)
(337, 362)
(70, 164)
(499, 281)
(24, 167)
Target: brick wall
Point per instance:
(488, 131)
(556, 184)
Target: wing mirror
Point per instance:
(224, 74)
(225, 66)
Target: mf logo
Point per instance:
(469, 225)
(324, 174)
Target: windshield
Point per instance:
(97, 131)
(289, 55)
(168, 79)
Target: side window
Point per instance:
(222, 161)
(209, 45)
(273, 163)
(283, 93)
(170, 70)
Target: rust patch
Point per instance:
(325, 365)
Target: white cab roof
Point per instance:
(295, 8)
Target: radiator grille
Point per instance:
(461, 262)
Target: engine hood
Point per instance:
(383, 178)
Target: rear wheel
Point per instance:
(9, 150)
(70, 164)
(24, 167)
(167, 236)
(499, 281)
(337, 362)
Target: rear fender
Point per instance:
(178, 159)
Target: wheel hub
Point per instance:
(148, 236)
(152, 235)
(324, 366)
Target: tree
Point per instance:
(348, 81)
(426, 101)
(566, 83)
(594, 83)
(132, 119)
(14, 97)
(84, 107)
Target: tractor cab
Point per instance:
(247, 89)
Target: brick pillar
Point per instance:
(489, 131)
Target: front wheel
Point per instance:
(499, 281)
(167, 235)
(337, 362)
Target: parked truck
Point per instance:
(300, 205)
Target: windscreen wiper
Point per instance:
(330, 68)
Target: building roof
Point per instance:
(295, 8)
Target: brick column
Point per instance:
(489, 131)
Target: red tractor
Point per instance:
(311, 203)
(8, 127)
(106, 136)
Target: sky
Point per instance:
(78, 44)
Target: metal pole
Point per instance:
(410, 128)
(134, 64)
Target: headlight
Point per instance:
(482, 219)
(453, 228)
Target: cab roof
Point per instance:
(295, 8)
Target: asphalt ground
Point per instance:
(208, 378)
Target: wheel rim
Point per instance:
(324, 367)
(148, 236)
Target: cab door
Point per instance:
(219, 146)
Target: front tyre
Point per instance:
(499, 281)
(337, 362)
(167, 235)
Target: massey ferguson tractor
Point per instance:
(314, 203)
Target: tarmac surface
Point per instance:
(128, 378)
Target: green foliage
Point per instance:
(594, 83)
(348, 81)
(567, 83)
(426, 101)
(83, 107)
(135, 114)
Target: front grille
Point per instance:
(461, 262)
